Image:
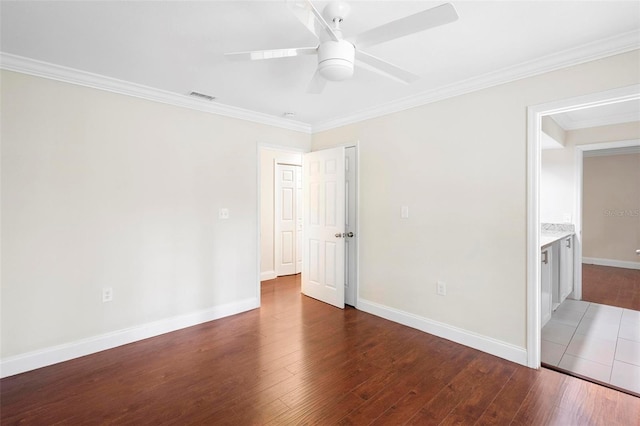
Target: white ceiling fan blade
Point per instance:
(257, 55)
(317, 83)
(310, 18)
(421, 21)
(385, 68)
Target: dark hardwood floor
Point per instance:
(300, 361)
(611, 286)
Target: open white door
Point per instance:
(324, 226)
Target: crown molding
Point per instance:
(69, 75)
(587, 52)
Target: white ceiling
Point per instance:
(178, 47)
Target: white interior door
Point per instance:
(324, 225)
(286, 220)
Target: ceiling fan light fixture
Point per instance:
(336, 69)
(335, 60)
(336, 55)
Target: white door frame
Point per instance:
(534, 123)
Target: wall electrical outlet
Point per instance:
(441, 288)
(107, 294)
(223, 213)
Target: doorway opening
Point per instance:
(282, 196)
(573, 320)
(271, 161)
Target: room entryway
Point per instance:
(309, 221)
(592, 331)
(536, 114)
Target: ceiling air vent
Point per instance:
(202, 96)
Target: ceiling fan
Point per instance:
(336, 54)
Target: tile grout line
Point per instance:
(615, 352)
(574, 333)
(616, 336)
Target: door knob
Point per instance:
(338, 235)
(349, 234)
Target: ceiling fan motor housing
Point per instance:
(335, 60)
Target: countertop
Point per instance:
(548, 238)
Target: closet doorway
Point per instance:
(280, 216)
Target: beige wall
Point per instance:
(268, 159)
(557, 185)
(460, 166)
(611, 207)
(558, 168)
(105, 190)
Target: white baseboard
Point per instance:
(53, 355)
(611, 262)
(467, 338)
(268, 275)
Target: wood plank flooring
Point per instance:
(611, 286)
(300, 361)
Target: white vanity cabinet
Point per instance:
(565, 285)
(546, 278)
(556, 272)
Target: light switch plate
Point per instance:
(404, 212)
(107, 294)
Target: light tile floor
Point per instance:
(596, 341)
